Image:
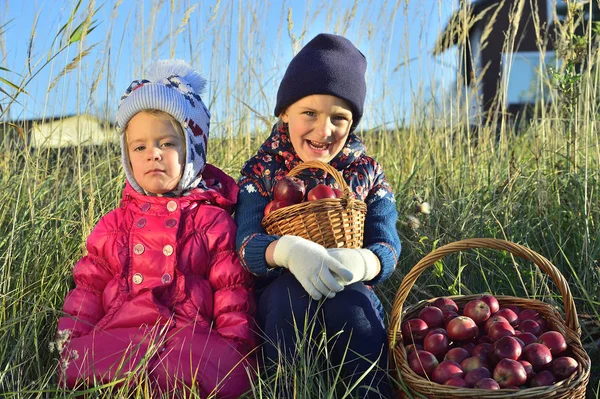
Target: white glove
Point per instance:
(362, 263)
(312, 266)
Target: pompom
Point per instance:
(162, 69)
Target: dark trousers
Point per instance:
(352, 325)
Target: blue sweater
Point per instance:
(275, 158)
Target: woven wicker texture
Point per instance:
(331, 222)
(419, 387)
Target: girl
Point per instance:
(161, 293)
(319, 104)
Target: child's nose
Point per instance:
(154, 154)
(325, 127)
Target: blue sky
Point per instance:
(241, 47)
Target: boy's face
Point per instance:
(156, 152)
(319, 126)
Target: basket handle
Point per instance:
(327, 168)
(491, 243)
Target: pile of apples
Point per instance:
(290, 190)
(485, 346)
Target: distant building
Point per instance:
(63, 131)
(488, 65)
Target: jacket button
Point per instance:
(167, 250)
(166, 278)
(141, 223)
(145, 207)
(171, 206)
(138, 249)
(171, 223)
(138, 278)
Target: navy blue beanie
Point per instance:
(328, 64)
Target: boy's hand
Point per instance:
(362, 263)
(311, 265)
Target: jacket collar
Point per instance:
(219, 189)
(279, 144)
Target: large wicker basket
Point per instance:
(331, 222)
(416, 386)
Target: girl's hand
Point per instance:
(362, 263)
(311, 265)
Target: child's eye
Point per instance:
(139, 148)
(310, 113)
(340, 118)
(168, 144)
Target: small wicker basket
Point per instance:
(331, 222)
(416, 386)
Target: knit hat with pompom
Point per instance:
(174, 87)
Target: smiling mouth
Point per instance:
(318, 146)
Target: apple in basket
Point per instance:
(564, 366)
(510, 372)
(320, 191)
(290, 189)
(275, 204)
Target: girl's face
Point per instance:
(156, 152)
(318, 126)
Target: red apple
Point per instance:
(542, 379)
(413, 347)
(563, 367)
(493, 319)
(456, 382)
(338, 192)
(538, 355)
(445, 304)
(477, 310)
(527, 338)
(289, 188)
(280, 204)
(414, 330)
(482, 350)
(543, 325)
(509, 372)
(461, 328)
(492, 302)
(436, 343)
(528, 368)
(519, 341)
(446, 370)
(448, 315)
(514, 308)
(529, 314)
(475, 375)
(422, 362)
(506, 347)
(484, 339)
(500, 329)
(509, 315)
(554, 340)
(433, 316)
(529, 326)
(320, 191)
(469, 346)
(457, 355)
(487, 383)
(472, 363)
(267, 209)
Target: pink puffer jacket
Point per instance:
(162, 279)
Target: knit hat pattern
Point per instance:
(328, 64)
(174, 87)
